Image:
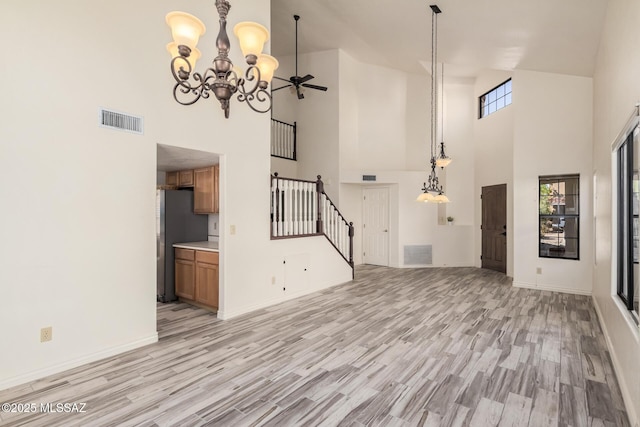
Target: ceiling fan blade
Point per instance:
(280, 78)
(281, 87)
(315, 87)
(305, 78)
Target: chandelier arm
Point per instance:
(181, 71)
(249, 76)
(261, 96)
(200, 90)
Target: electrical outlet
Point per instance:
(46, 334)
(273, 280)
(538, 270)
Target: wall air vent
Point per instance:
(121, 121)
(418, 255)
(368, 177)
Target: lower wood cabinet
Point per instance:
(185, 273)
(207, 278)
(197, 276)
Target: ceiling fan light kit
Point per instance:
(297, 83)
(433, 192)
(223, 79)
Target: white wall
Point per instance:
(616, 91)
(493, 143)
(552, 136)
(349, 114)
(382, 119)
(460, 114)
(285, 168)
(79, 236)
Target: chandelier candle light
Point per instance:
(221, 79)
(434, 192)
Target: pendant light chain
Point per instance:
(434, 88)
(442, 104)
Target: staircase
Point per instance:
(301, 208)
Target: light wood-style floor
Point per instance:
(399, 347)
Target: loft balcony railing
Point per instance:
(301, 208)
(283, 139)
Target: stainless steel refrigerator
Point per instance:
(175, 223)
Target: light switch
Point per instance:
(232, 229)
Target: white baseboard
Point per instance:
(74, 363)
(543, 287)
(461, 264)
(633, 417)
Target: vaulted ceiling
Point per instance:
(557, 36)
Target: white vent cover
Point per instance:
(418, 255)
(121, 121)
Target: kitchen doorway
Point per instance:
(187, 227)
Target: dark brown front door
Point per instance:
(494, 227)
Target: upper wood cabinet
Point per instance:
(172, 179)
(206, 190)
(180, 179)
(185, 178)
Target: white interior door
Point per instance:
(375, 228)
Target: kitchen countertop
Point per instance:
(198, 246)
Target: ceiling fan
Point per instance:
(296, 82)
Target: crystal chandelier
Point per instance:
(221, 79)
(434, 191)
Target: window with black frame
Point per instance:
(494, 100)
(628, 182)
(559, 217)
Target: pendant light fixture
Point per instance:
(434, 191)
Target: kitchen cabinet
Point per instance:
(180, 179)
(185, 178)
(197, 277)
(206, 190)
(185, 273)
(172, 179)
(207, 278)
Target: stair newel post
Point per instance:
(351, 233)
(319, 191)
